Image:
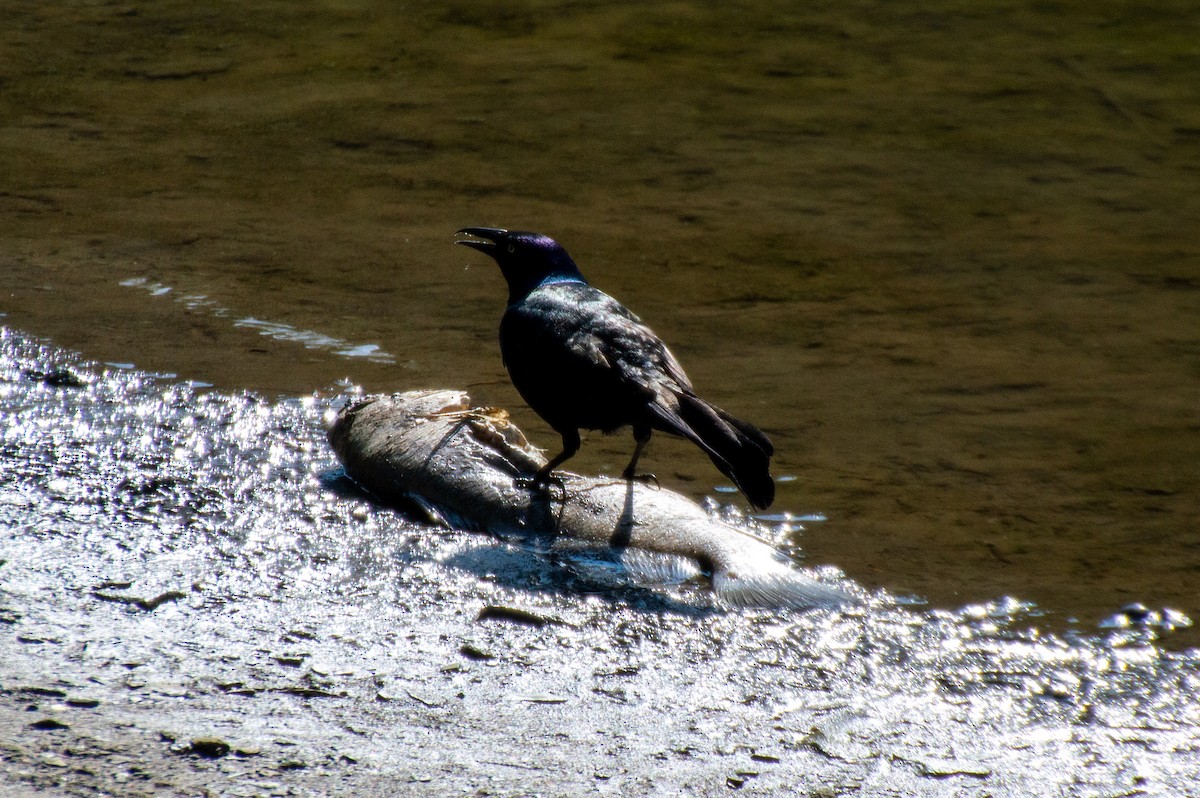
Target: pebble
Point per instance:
(209, 747)
(48, 724)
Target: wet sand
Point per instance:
(947, 257)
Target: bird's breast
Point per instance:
(561, 373)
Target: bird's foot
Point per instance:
(544, 481)
(645, 479)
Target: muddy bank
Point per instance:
(191, 600)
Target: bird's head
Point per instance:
(526, 260)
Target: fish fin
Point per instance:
(775, 584)
(627, 566)
(437, 515)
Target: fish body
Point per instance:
(474, 466)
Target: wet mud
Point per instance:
(193, 601)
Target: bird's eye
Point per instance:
(512, 247)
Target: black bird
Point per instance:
(582, 360)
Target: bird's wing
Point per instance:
(617, 339)
(577, 330)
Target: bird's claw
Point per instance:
(645, 479)
(543, 481)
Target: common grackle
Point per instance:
(581, 360)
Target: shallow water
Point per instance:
(946, 256)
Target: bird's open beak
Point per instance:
(488, 234)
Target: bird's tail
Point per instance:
(740, 450)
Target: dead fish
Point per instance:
(473, 468)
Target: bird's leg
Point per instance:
(641, 436)
(570, 441)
